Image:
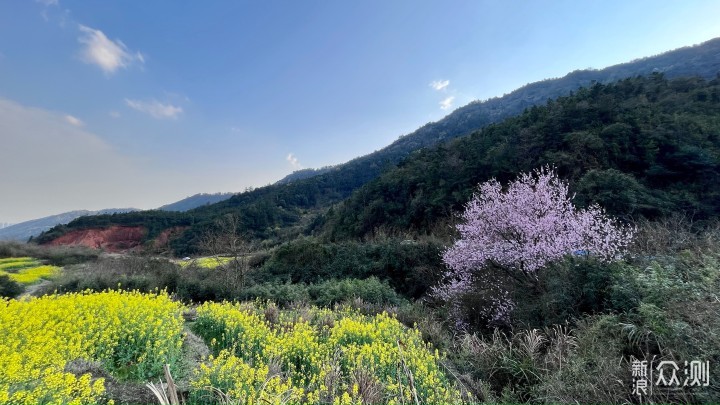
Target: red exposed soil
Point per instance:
(112, 239)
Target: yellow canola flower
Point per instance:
(39, 337)
(15, 259)
(206, 262)
(13, 263)
(316, 356)
(33, 274)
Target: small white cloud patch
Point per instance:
(155, 108)
(447, 103)
(74, 120)
(440, 85)
(293, 160)
(108, 55)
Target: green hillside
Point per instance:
(643, 147)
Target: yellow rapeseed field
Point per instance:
(129, 333)
(26, 270)
(261, 355)
(316, 356)
(12, 263)
(205, 262)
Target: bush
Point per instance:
(126, 273)
(593, 370)
(9, 288)
(55, 255)
(571, 289)
(410, 267)
(325, 294)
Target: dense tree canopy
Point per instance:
(643, 147)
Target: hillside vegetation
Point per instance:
(283, 211)
(645, 147)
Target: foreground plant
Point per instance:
(131, 334)
(314, 356)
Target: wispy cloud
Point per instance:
(74, 120)
(440, 85)
(447, 103)
(48, 2)
(155, 108)
(114, 114)
(107, 54)
(293, 160)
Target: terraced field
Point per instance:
(26, 270)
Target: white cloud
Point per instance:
(114, 114)
(74, 120)
(293, 160)
(107, 54)
(440, 85)
(48, 2)
(447, 103)
(155, 108)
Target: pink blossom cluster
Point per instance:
(522, 229)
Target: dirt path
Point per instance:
(33, 288)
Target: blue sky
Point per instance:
(141, 103)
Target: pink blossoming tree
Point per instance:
(513, 234)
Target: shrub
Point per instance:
(9, 288)
(54, 255)
(410, 268)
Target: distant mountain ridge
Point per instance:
(195, 201)
(25, 230)
(265, 211)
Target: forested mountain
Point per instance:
(197, 200)
(283, 210)
(645, 146)
(303, 174)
